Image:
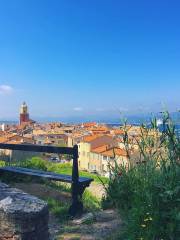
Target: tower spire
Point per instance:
(24, 115)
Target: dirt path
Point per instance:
(43, 191)
(105, 223)
(102, 225)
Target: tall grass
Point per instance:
(61, 168)
(147, 194)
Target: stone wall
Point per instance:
(22, 216)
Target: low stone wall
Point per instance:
(22, 216)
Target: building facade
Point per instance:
(24, 115)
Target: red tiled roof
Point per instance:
(89, 138)
(115, 152)
(118, 131)
(100, 149)
(89, 124)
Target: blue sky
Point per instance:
(89, 57)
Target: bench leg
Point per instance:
(76, 207)
(77, 204)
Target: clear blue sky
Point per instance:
(89, 57)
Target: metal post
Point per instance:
(10, 157)
(77, 206)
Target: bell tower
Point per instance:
(24, 115)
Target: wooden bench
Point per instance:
(78, 184)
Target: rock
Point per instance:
(106, 215)
(22, 216)
(85, 218)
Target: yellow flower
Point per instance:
(148, 219)
(143, 225)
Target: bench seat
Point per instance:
(44, 174)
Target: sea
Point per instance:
(160, 127)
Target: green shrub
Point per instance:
(59, 209)
(66, 168)
(91, 203)
(62, 168)
(35, 163)
(147, 195)
(2, 163)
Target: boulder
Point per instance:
(22, 216)
(85, 218)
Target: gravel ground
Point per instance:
(103, 225)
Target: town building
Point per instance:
(24, 115)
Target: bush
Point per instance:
(91, 203)
(62, 168)
(35, 163)
(2, 163)
(147, 195)
(59, 209)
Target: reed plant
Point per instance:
(147, 192)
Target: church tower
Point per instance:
(24, 115)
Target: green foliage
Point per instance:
(96, 178)
(62, 168)
(66, 168)
(148, 194)
(2, 163)
(91, 203)
(59, 209)
(62, 187)
(35, 163)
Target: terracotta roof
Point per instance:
(3, 139)
(22, 126)
(89, 124)
(100, 128)
(89, 138)
(102, 140)
(118, 131)
(14, 142)
(114, 152)
(16, 139)
(100, 149)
